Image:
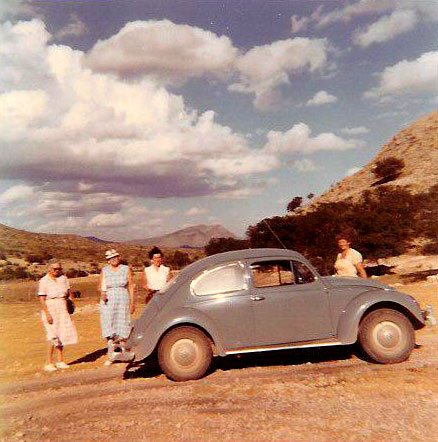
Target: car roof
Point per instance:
(220, 258)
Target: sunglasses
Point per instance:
(57, 269)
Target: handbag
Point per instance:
(70, 306)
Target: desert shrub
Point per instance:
(8, 273)
(179, 260)
(388, 169)
(3, 257)
(294, 203)
(75, 273)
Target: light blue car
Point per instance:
(269, 299)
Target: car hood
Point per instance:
(341, 282)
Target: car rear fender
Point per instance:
(147, 341)
(349, 320)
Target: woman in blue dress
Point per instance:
(117, 301)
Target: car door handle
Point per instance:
(257, 298)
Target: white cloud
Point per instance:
(304, 165)
(108, 220)
(408, 78)
(74, 28)
(164, 51)
(16, 193)
(359, 130)
(196, 211)
(321, 98)
(264, 68)
(117, 136)
(299, 139)
(299, 24)
(386, 28)
(11, 9)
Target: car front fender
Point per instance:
(145, 341)
(349, 320)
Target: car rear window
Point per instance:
(223, 279)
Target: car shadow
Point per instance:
(149, 368)
(286, 357)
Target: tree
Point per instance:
(180, 259)
(294, 204)
(388, 169)
(219, 245)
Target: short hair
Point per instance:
(347, 235)
(51, 262)
(154, 251)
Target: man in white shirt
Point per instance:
(154, 277)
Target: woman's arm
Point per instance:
(101, 288)
(131, 289)
(143, 281)
(45, 309)
(361, 270)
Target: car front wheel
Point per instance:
(387, 336)
(184, 354)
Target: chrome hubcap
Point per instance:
(388, 335)
(184, 352)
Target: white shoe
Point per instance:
(62, 365)
(49, 367)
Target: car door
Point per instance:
(222, 294)
(290, 303)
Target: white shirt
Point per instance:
(53, 288)
(346, 266)
(156, 278)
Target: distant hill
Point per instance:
(95, 239)
(194, 237)
(417, 146)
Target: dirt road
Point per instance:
(312, 395)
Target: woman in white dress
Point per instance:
(53, 291)
(349, 262)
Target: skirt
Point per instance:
(115, 318)
(63, 327)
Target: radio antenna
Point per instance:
(276, 237)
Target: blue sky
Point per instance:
(130, 119)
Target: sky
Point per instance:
(126, 119)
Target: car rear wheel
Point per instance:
(185, 353)
(387, 336)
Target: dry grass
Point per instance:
(23, 346)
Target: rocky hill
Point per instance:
(417, 146)
(194, 236)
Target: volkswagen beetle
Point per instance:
(258, 300)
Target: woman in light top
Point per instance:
(154, 277)
(53, 291)
(349, 262)
(117, 301)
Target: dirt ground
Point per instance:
(302, 395)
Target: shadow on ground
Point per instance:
(410, 278)
(90, 357)
(150, 368)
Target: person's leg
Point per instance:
(59, 353)
(50, 353)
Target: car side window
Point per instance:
(272, 273)
(222, 279)
(303, 274)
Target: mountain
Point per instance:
(96, 239)
(417, 146)
(194, 236)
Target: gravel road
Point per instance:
(302, 395)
